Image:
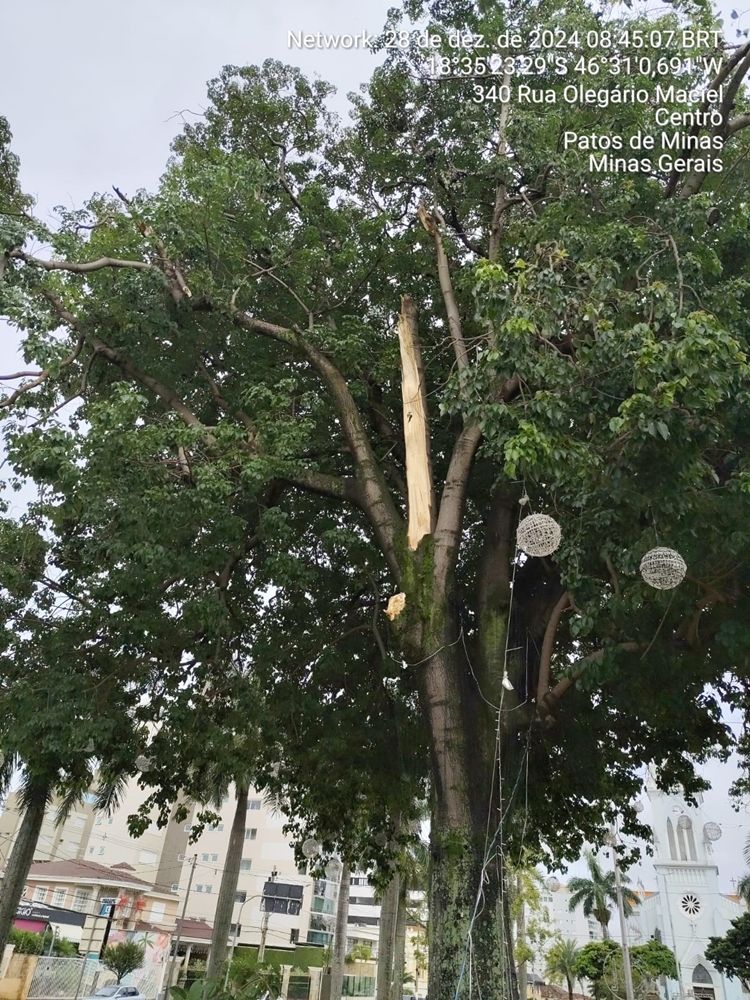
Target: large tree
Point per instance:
(237, 343)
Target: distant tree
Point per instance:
(743, 888)
(562, 963)
(360, 952)
(654, 959)
(731, 953)
(597, 892)
(594, 961)
(123, 958)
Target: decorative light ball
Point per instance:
(311, 848)
(538, 535)
(552, 883)
(333, 870)
(712, 832)
(683, 823)
(638, 806)
(663, 568)
(381, 838)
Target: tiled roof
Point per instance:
(191, 928)
(75, 869)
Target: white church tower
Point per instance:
(687, 908)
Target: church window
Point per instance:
(691, 907)
(686, 839)
(670, 838)
(702, 975)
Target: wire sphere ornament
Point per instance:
(663, 568)
(684, 822)
(552, 883)
(712, 832)
(638, 806)
(538, 535)
(311, 848)
(333, 870)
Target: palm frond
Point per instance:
(743, 888)
(746, 852)
(110, 791)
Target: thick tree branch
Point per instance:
(376, 497)
(81, 267)
(548, 645)
(450, 515)
(433, 222)
(551, 698)
(336, 487)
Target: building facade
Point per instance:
(687, 907)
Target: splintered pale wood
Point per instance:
(416, 428)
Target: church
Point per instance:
(687, 908)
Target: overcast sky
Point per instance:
(93, 91)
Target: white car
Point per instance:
(115, 992)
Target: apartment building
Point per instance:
(175, 857)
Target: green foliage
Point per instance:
(123, 958)
(653, 960)
(595, 959)
(26, 942)
(731, 953)
(361, 952)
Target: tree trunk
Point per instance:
(228, 889)
(605, 932)
(387, 938)
(470, 936)
(399, 951)
(21, 858)
(340, 935)
(521, 938)
(570, 987)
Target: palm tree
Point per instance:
(597, 892)
(743, 889)
(561, 963)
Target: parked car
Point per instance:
(115, 992)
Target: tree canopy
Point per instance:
(216, 424)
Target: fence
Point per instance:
(61, 979)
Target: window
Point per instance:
(246, 864)
(58, 897)
(235, 930)
(254, 804)
(91, 850)
(175, 887)
(157, 911)
(670, 838)
(101, 850)
(217, 826)
(294, 935)
(240, 896)
(40, 894)
(690, 906)
(251, 834)
(81, 900)
(209, 857)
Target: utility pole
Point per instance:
(264, 923)
(170, 971)
(623, 927)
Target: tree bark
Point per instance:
(470, 942)
(387, 938)
(340, 935)
(399, 951)
(521, 938)
(228, 888)
(21, 858)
